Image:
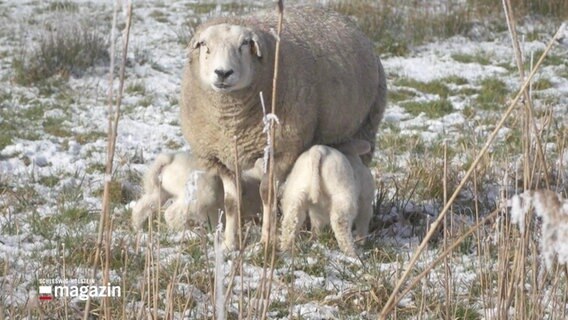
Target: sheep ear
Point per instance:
(194, 43)
(255, 47)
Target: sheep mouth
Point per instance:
(223, 87)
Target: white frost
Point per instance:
(554, 213)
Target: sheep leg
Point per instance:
(142, 211)
(143, 208)
(231, 212)
(369, 127)
(294, 209)
(341, 222)
(362, 221)
(176, 214)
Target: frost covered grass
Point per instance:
(554, 213)
(477, 265)
(398, 26)
(67, 45)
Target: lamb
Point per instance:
(168, 177)
(333, 187)
(332, 88)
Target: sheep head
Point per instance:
(225, 56)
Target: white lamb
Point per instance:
(332, 186)
(176, 176)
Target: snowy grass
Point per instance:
(52, 164)
(398, 26)
(68, 45)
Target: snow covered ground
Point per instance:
(52, 155)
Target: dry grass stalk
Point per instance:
(238, 267)
(239, 193)
(481, 257)
(530, 131)
(554, 213)
(270, 244)
(219, 296)
(395, 297)
(147, 281)
(442, 256)
(105, 227)
(124, 273)
(447, 231)
(65, 303)
(155, 271)
(239, 229)
(266, 246)
(518, 273)
(529, 123)
(210, 280)
(271, 191)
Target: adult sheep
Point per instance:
(331, 88)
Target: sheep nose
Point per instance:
(223, 74)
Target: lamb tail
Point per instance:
(152, 178)
(315, 157)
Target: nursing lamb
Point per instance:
(171, 176)
(331, 86)
(332, 187)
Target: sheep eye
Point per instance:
(245, 43)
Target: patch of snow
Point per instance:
(429, 67)
(314, 311)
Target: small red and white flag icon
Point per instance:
(45, 293)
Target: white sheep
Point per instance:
(176, 176)
(332, 88)
(331, 186)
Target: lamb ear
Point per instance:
(255, 48)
